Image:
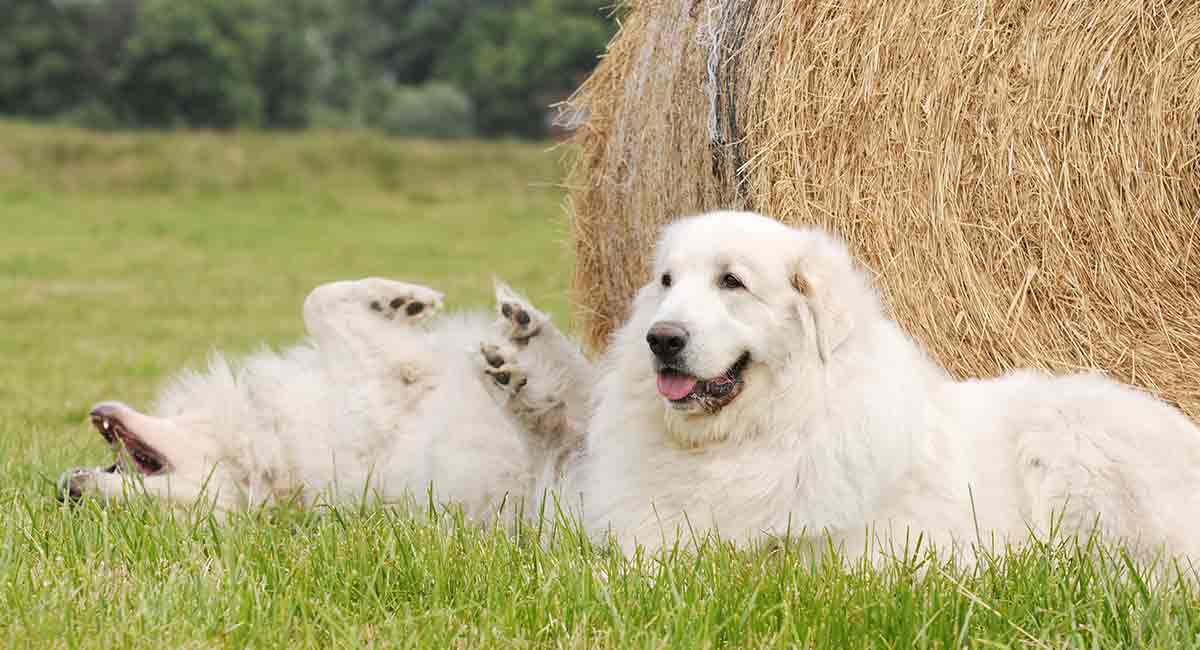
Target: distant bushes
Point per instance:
(192, 63)
(437, 68)
(436, 110)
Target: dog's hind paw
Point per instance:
(519, 320)
(499, 363)
(400, 301)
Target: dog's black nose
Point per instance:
(68, 489)
(667, 339)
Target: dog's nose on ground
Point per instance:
(667, 339)
(72, 485)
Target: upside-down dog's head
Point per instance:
(174, 453)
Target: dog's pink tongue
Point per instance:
(675, 386)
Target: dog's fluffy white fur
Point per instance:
(844, 424)
(385, 401)
(808, 412)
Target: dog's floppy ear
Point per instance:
(815, 276)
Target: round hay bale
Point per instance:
(1022, 176)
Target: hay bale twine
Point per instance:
(1022, 176)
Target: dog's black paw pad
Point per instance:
(491, 354)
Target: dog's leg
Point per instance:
(537, 405)
(355, 323)
(542, 378)
(1075, 487)
(534, 398)
(562, 372)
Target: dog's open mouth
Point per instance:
(145, 459)
(682, 389)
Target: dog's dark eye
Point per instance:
(731, 281)
(666, 279)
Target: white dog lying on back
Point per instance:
(760, 388)
(372, 406)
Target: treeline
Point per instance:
(440, 68)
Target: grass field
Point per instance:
(124, 258)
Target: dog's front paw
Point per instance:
(519, 320)
(400, 301)
(499, 363)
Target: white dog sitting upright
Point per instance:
(760, 388)
(374, 405)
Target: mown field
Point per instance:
(123, 258)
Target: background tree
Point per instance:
(442, 68)
(43, 54)
(513, 61)
(192, 64)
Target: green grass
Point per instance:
(124, 258)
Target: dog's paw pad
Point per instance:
(519, 320)
(510, 378)
(492, 356)
(400, 301)
(499, 364)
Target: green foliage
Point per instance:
(294, 63)
(191, 64)
(435, 110)
(43, 57)
(422, 35)
(515, 61)
(287, 65)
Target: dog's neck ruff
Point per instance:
(737, 423)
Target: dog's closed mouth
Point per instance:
(145, 459)
(681, 388)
